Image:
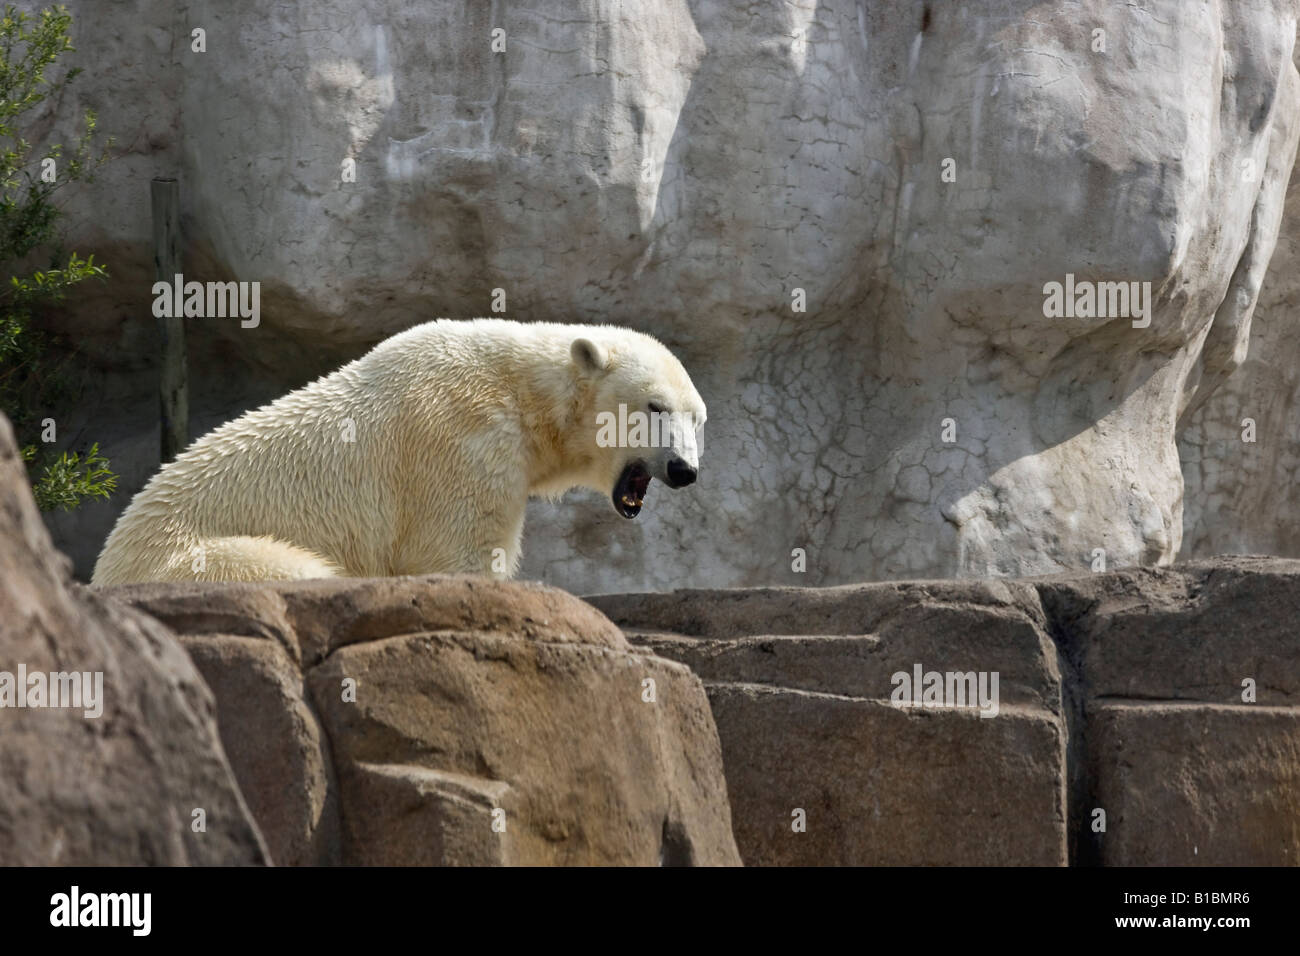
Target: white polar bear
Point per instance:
(416, 458)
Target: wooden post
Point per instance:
(174, 388)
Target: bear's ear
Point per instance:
(588, 356)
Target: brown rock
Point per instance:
(1193, 632)
(1195, 784)
(471, 696)
(121, 788)
(800, 685)
(889, 787)
(1188, 769)
(423, 817)
(272, 737)
(1166, 697)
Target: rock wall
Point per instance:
(1240, 455)
(695, 169)
(1143, 717)
(1123, 735)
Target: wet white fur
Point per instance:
(456, 425)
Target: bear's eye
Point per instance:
(656, 408)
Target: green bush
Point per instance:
(34, 374)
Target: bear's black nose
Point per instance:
(680, 473)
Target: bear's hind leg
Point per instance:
(247, 558)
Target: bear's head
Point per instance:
(644, 415)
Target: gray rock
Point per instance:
(684, 168)
(1241, 448)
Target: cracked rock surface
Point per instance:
(692, 169)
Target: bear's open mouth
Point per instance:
(629, 490)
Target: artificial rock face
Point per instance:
(109, 747)
(1240, 448)
(1144, 693)
(840, 215)
(438, 721)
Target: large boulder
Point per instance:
(841, 215)
(138, 778)
(452, 721)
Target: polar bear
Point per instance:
(418, 457)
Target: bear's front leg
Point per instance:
(475, 540)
